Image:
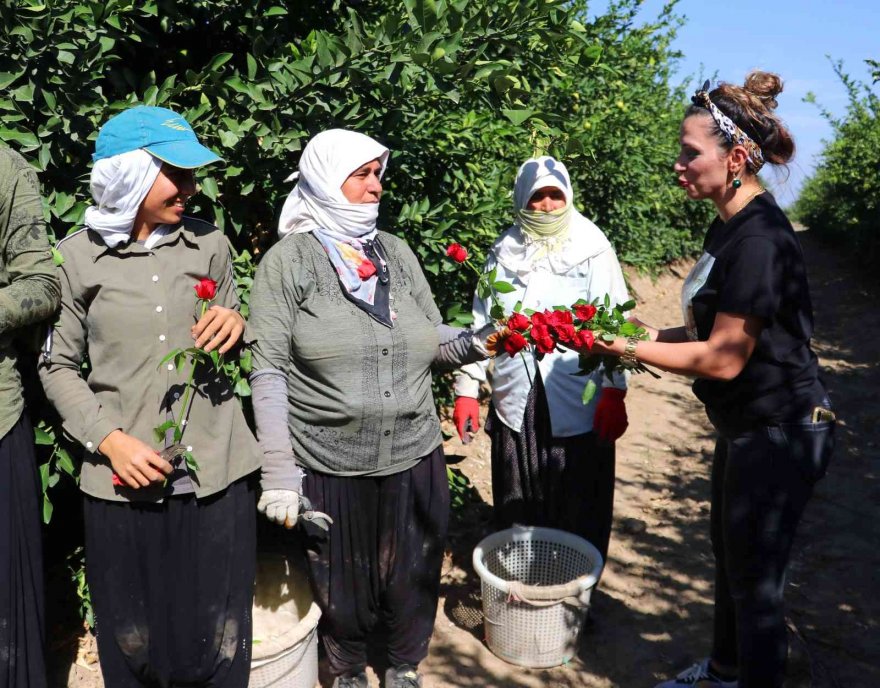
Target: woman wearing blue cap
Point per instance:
(170, 551)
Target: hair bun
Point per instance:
(764, 86)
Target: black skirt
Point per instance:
(556, 482)
(22, 605)
(172, 586)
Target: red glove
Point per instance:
(466, 409)
(610, 421)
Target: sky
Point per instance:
(795, 40)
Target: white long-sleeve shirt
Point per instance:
(589, 270)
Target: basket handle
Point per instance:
(547, 595)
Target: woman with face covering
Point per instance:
(552, 456)
(170, 552)
(746, 340)
(346, 333)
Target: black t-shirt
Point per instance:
(754, 265)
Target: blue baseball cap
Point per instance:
(161, 132)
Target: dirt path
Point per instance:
(653, 612)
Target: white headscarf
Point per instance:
(521, 253)
(119, 185)
(537, 173)
(316, 201)
(318, 205)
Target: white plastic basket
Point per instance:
(536, 587)
(285, 621)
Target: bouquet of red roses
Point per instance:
(574, 327)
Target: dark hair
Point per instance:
(751, 107)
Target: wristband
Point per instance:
(629, 352)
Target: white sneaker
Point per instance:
(698, 676)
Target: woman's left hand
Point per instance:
(219, 328)
(614, 348)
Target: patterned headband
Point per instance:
(731, 132)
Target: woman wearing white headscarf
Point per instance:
(346, 333)
(552, 457)
(170, 551)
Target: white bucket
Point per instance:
(536, 587)
(285, 621)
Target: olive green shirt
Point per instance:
(125, 308)
(29, 286)
(359, 393)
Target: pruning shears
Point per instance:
(307, 513)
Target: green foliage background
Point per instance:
(462, 91)
(841, 200)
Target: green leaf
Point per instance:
(65, 462)
(517, 117)
(9, 78)
(242, 388)
(589, 392)
(209, 188)
(496, 312)
(47, 510)
(503, 287)
(41, 437)
(24, 138)
(275, 11)
(44, 476)
(218, 61)
(161, 430)
(191, 462)
(171, 354)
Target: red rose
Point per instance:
(457, 252)
(585, 312)
(206, 289)
(584, 339)
(558, 318)
(518, 322)
(542, 338)
(565, 333)
(366, 269)
(514, 344)
(540, 319)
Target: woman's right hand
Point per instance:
(136, 463)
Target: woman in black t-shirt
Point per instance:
(749, 320)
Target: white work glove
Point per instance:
(281, 506)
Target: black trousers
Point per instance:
(22, 605)
(556, 482)
(380, 560)
(761, 482)
(172, 586)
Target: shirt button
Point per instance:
(89, 445)
(384, 352)
(158, 309)
(170, 366)
(161, 337)
(387, 432)
(387, 394)
(155, 278)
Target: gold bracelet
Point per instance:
(629, 352)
